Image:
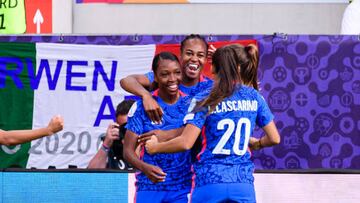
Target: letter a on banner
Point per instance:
(12, 17)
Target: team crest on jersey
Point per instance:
(132, 110)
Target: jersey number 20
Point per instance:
(243, 122)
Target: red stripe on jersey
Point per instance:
(156, 93)
(192, 182)
(115, 1)
(202, 78)
(204, 143)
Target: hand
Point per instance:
(151, 144)
(154, 173)
(112, 133)
(254, 144)
(210, 52)
(152, 108)
(146, 136)
(55, 125)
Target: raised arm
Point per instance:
(136, 84)
(210, 52)
(181, 143)
(15, 137)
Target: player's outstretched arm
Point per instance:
(162, 135)
(15, 137)
(181, 143)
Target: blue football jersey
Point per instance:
(226, 130)
(205, 84)
(176, 165)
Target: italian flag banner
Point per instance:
(79, 82)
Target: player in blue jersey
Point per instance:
(194, 52)
(226, 117)
(163, 177)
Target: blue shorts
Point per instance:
(181, 196)
(224, 192)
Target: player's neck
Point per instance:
(188, 82)
(169, 98)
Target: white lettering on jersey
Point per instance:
(240, 105)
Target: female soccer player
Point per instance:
(194, 52)
(227, 117)
(163, 177)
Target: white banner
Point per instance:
(81, 83)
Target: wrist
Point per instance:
(257, 145)
(105, 148)
(158, 136)
(107, 143)
(48, 131)
(260, 145)
(155, 148)
(145, 95)
(157, 133)
(142, 166)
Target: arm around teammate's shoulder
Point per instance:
(137, 84)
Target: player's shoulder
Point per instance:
(185, 97)
(183, 102)
(202, 93)
(136, 107)
(205, 84)
(247, 91)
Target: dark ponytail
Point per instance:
(225, 67)
(248, 60)
(252, 68)
(233, 64)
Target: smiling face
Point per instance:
(193, 58)
(168, 76)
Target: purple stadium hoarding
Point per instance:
(311, 83)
